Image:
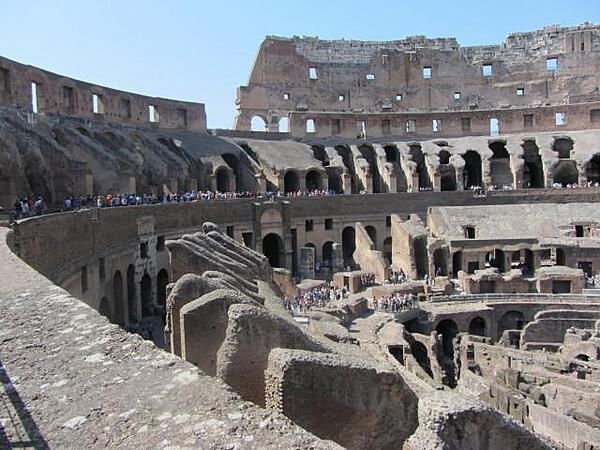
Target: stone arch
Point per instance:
(592, 169)
(440, 262)
(420, 246)
(320, 154)
(222, 178)
(501, 175)
(447, 172)
(131, 295)
(456, 263)
(291, 181)
(565, 173)
(146, 293)
(387, 249)
(258, 123)
(477, 326)
(348, 245)
(162, 280)
(118, 300)
(313, 180)
(334, 177)
(284, 125)
(533, 169)
(529, 264)
(372, 232)
(472, 170)
(563, 146)
(233, 161)
(327, 254)
(496, 259)
(273, 249)
(448, 329)
(344, 152)
(418, 157)
(561, 259)
(368, 153)
(392, 155)
(105, 308)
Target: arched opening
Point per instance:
(346, 156)
(477, 326)
(291, 182)
(496, 259)
(565, 173)
(419, 352)
(284, 125)
(348, 245)
(320, 153)
(335, 180)
(310, 126)
(272, 247)
(448, 330)
(447, 172)
(392, 155)
(222, 176)
(372, 232)
(472, 171)
(162, 280)
(563, 146)
(368, 153)
(561, 260)
(105, 308)
(500, 165)
(146, 291)
(118, 300)
(313, 180)
(233, 161)
(511, 320)
(533, 171)
(456, 263)
(439, 262)
(420, 244)
(592, 169)
(257, 123)
(131, 298)
(387, 249)
(419, 159)
(528, 266)
(327, 254)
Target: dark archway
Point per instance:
(496, 259)
(348, 245)
(327, 254)
(592, 169)
(456, 263)
(418, 157)
(131, 297)
(500, 165)
(146, 291)
(447, 172)
(419, 352)
(582, 357)
(313, 180)
(105, 308)
(291, 181)
(118, 299)
(222, 175)
(420, 244)
(372, 232)
(477, 326)
(368, 153)
(511, 320)
(472, 170)
(387, 249)
(561, 260)
(533, 171)
(566, 173)
(162, 280)
(233, 162)
(320, 153)
(273, 249)
(334, 175)
(392, 155)
(563, 146)
(439, 262)
(528, 266)
(448, 330)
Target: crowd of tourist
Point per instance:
(393, 303)
(316, 297)
(29, 206)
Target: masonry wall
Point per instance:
(60, 95)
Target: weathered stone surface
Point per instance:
(451, 421)
(343, 399)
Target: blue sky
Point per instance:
(201, 51)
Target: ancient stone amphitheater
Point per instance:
(443, 199)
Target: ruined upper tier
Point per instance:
(336, 84)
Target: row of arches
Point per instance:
(312, 181)
(122, 306)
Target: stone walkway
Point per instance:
(70, 379)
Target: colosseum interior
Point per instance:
(405, 255)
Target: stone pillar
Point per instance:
(347, 182)
(192, 184)
(516, 167)
(324, 182)
(337, 257)
(458, 173)
(392, 182)
(486, 173)
(261, 182)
